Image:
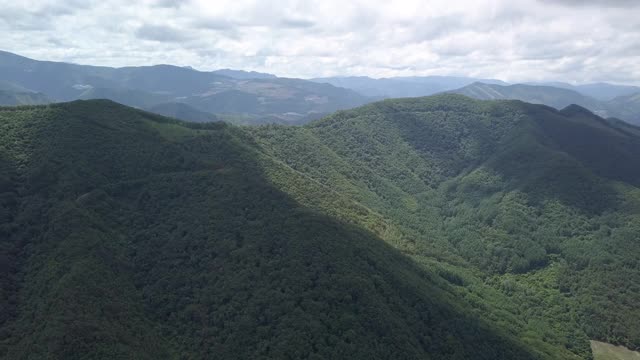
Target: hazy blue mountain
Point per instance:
(448, 81)
(12, 98)
(9, 86)
(252, 95)
(63, 81)
(59, 81)
(600, 91)
(626, 108)
(402, 86)
(243, 75)
(535, 94)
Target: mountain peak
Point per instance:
(574, 109)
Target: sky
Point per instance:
(577, 41)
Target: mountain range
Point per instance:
(398, 87)
(625, 107)
(440, 227)
(249, 97)
(234, 95)
(600, 91)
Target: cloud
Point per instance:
(564, 40)
(596, 3)
(160, 33)
(169, 3)
(296, 23)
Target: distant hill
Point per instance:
(243, 75)
(600, 91)
(9, 86)
(401, 86)
(626, 108)
(11, 98)
(547, 95)
(236, 92)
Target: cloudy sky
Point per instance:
(514, 40)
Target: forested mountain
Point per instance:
(182, 111)
(626, 107)
(249, 96)
(424, 228)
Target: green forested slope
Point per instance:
(441, 227)
(542, 203)
(127, 235)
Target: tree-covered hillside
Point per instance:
(127, 235)
(430, 228)
(541, 203)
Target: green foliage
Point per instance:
(502, 186)
(130, 235)
(433, 228)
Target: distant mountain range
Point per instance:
(600, 91)
(607, 100)
(416, 86)
(11, 98)
(625, 107)
(243, 75)
(397, 87)
(249, 97)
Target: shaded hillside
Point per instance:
(527, 195)
(424, 228)
(129, 235)
(129, 97)
(183, 112)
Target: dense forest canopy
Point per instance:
(424, 228)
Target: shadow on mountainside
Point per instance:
(164, 240)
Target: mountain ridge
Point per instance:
(123, 261)
(148, 86)
(625, 107)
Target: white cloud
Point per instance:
(514, 40)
